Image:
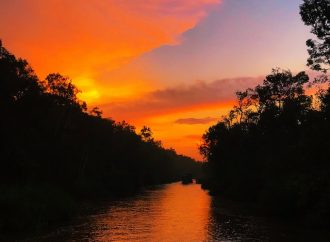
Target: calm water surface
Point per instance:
(172, 212)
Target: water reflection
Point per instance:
(168, 213)
(173, 211)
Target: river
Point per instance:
(173, 212)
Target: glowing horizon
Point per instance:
(170, 65)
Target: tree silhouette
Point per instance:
(97, 112)
(62, 90)
(316, 13)
(270, 146)
(146, 134)
(18, 80)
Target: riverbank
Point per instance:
(272, 206)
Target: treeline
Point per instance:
(273, 148)
(54, 152)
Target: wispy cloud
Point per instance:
(193, 121)
(180, 98)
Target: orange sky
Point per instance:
(173, 65)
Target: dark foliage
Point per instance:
(273, 149)
(54, 153)
(316, 13)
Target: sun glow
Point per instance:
(131, 57)
(89, 93)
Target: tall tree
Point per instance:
(316, 13)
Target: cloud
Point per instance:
(193, 121)
(90, 40)
(193, 137)
(75, 36)
(198, 95)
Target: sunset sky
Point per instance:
(173, 65)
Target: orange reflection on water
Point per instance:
(184, 214)
(171, 212)
(178, 213)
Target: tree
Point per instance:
(244, 107)
(18, 79)
(62, 88)
(316, 13)
(279, 87)
(270, 147)
(97, 112)
(146, 134)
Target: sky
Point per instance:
(173, 65)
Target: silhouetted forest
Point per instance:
(273, 148)
(54, 153)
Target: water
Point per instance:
(172, 212)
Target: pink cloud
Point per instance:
(177, 98)
(192, 121)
